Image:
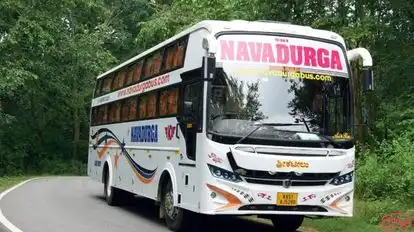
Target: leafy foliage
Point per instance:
(387, 172)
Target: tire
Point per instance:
(174, 216)
(113, 196)
(287, 223)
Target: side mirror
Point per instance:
(210, 67)
(188, 109)
(368, 83)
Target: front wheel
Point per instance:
(113, 196)
(287, 223)
(174, 216)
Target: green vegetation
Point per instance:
(7, 182)
(52, 50)
(385, 184)
(367, 217)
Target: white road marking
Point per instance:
(3, 219)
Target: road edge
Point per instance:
(6, 225)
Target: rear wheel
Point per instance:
(287, 223)
(113, 196)
(175, 217)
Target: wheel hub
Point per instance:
(169, 205)
(108, 186)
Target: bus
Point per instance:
(232, 118)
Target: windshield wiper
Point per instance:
(321, 135)
(265, 124)
(330, 140)
(306, 124)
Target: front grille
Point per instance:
(290, 175)
(264, 177)
(280, 183)
(304, 179)
(299, 208)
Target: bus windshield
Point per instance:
(310, 106)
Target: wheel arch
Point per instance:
(167, 174)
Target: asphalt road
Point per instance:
(68, 204)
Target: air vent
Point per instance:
(299, 208)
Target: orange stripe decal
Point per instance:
(106, 146)
(140, 177)
(232, 200)
(334, 204)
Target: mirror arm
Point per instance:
(360, 53)
(366, 57)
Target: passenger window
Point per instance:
(169, 102)
(129, 76)
(152, 105)
(104, 110)
(143, 106)
(121, 79)
(115, 112)
(164, 103)
(115, 82)
(125, 110)
(173, 101)
(136, 70)
(93, 116)
(106, 84)
(179, 56)
(133, 108)
(98, 87)
(168, 65)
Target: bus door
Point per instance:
(190, 123)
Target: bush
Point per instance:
(387, 171)
(61, 167)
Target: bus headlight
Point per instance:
(346, 178)
(224, 174)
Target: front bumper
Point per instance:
(225, 197)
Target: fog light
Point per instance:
(213, 195)
(240, 171)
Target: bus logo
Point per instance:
(292, 164)
(145, 133)
(169, 132)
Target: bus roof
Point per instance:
(215, 26)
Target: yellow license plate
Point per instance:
(287, 199)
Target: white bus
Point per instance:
(231, 118)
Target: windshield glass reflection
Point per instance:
(313, 105)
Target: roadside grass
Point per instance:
(367, 217)
(7, 182)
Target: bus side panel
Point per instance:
(150, 147)
(95, 164)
